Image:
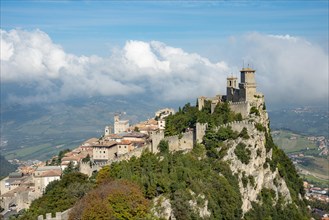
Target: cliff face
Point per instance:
(255, 173)
(266, 178)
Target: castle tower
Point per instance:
(231, 89)
(247, 85)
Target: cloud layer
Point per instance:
(288, 68)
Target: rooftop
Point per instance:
(46, 168)
(105, 144)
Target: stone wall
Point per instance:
(88, 169)
(239, 125)
(240, 107)
(200, 131)
(156, 138)
(184, 141)
(59, 216)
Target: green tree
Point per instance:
(118, 199)
(103, 175)
(163, 146)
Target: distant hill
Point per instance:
(41, 131)
(307, 120)
(6, 167)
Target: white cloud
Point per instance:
(288, 68)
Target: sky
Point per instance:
(173, 50)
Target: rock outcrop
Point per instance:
(256, 174)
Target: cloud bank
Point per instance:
(288, 69)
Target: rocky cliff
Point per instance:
(254, 174)
(265, 175)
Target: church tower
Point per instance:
(247, 85)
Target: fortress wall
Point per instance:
(85, 167)
(240, 107)
(186, 141)
(156, 138)
(239, 125)
(200, 131)
(59, 216)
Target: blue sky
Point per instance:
(87, 27)
(176, 50)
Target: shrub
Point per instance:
(251, 180)
(259, 152)
(260, 127)
(163, 146)
(243, 153)
(244, 179)
(255, 111)
(244, 133)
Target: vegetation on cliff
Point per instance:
(189, 115)
(125, 190)
(177, 175)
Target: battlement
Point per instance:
(59, 216)
(238, 125)
(237, 103)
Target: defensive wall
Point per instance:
(184, 141)
(156, 138)
(200, 131)
(238, 125)
(240, 107)
(59, 216)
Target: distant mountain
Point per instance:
(306, 120)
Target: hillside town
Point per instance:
(29, 182)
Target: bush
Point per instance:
(260, 127)
(251, 180)
(244, 133)
(244, 179)
(243, 153)
(163, 146)
(255, 111)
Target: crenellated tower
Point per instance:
(248, 85)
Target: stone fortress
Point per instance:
(240, 97)
(127, 141)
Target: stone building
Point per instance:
(239, 95)
(120, 125)
(105, 150)
(247, 87)
(161, 115)
(44, 175)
